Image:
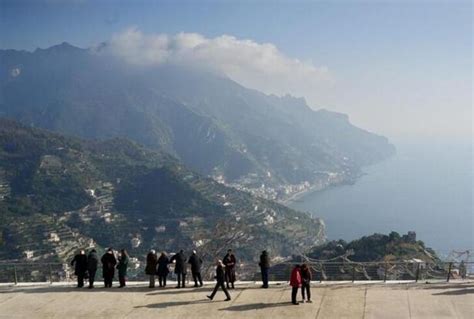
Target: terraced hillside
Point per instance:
(61, 193)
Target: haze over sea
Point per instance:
(426, 187)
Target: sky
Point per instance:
(402, 68)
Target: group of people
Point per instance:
(85, 266)
(158, 266)
(300, 278)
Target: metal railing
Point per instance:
(321, 271)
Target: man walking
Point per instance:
(220, 278)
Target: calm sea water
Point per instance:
(425, 188)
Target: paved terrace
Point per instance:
(330, 300)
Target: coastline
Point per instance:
(345, 180)
(318, 188)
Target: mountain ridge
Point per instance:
(237, 135)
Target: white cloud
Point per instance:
(256, 65)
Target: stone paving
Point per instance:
(330, 300)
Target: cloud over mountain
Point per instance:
(256, 65)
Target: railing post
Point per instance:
(417, 272)
(449, 271)
(50, 274)
(385, 273)
(322, 271)
(353, 272)
(15, 275)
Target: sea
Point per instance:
(426, 187)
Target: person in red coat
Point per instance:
(295, 283)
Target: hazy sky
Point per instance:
(398, 68)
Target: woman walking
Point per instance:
(122, 267)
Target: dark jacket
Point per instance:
(220, 275)
(306, 275)
(264, 260)
(229, 261)
(151, 262)
(196, 262)
(108, 264)
(180, 266)
(80, 264)
(163, 269)
(92, 261)
(122, 266)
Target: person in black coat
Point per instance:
(306, 277)
(180, 268)
(220, 278)
(92, 263)
(150, 268)
(163, 269)
(264, 267)
(80, 267)
(196, 262)
(108, 267)
(229, 261)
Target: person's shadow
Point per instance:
(255, 306)
(162, 305)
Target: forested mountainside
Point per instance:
(377, 247)
(268, 145)
(58, 194)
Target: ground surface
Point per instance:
(334, 300)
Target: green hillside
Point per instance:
(376, 247)
(59, 193)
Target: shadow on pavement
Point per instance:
(177, 304)
(448, 286)
(455, 292)
(49, 289)
(180, 291)
(256, 306)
